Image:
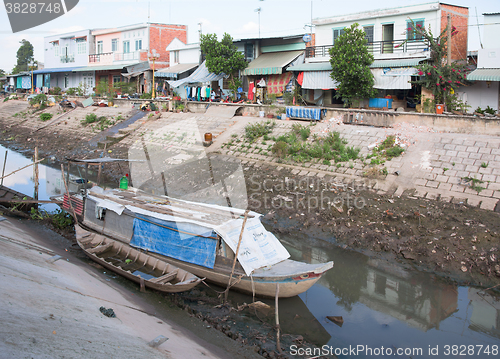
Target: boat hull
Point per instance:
(169, 278)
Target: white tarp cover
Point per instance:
(200, 75)
(318, 80)
(384, 82)
(258, 248)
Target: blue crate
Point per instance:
(380, 102)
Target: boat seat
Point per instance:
(164, 278)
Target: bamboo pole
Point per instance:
(276, 314)
(35, 170)
(236, 254)
(22, 168)
(4, 163)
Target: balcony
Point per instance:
(128, 56)
(67, 58)
(98, 58)
(376, 47)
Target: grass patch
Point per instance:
(253, 132)
(45, 116)
(474, 183)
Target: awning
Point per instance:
(174, 71)
(271, 63)
(102, 68)
(56, 69)
(200, 75)
(397, 62)
(311, 66)
(484, 75)
(133, 74)
(385, 82)
(318, 80)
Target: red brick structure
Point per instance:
(160, 36)
(459, 20)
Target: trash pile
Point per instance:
(324, 127)
(406, 132)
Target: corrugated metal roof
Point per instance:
(397, 62)
(271, 63)
(484, 75)
(103, 67)
(56, 69)
(311, 66)
(173, 71)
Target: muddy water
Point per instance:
(384, 306)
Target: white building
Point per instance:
(395, 50)
(485, 90)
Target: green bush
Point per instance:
(71, 91)
(252, 132)
(40, 99)
(90, 118)
(45, 116)
(55, 91)
(146, 95)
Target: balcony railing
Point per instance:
(126, 56)
(67, 58)
(99, 57)
(376, 47)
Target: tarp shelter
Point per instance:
(271, 63)
(175, 71)
(201, 75)
(315, 76)
(394, 74)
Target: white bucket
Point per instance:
(261, 113)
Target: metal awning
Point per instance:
(271, 63)
(174, 71)
(397, 62)
(102, 67)
(56, 69)
(388, 82)
(311, 66)
(484, 75)
(200, 75)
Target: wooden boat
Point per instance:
(117, 214)
(134, 264)
(9, 198)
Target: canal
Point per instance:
(387, 310)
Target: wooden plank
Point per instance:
(100, 249)
(165, 278)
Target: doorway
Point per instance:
(387, 38)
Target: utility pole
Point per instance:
(449, 39)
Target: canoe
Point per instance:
(134, 264)
(118, 214)
(9, 197)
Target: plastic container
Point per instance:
(262, 113)
(124, 182)
(380, 102)
(208, 137)
(439, 109)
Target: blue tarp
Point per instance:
(170, 239)
(304, 112)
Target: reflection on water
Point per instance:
(383, 304)
(50, 179)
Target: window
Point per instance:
(249, 51)
(114, 45)
(138, 45)
(66, 81)
(81, 45)
(337, 33)
(126, 47)
(56, 49)
(368, 33)
(116, 78)
(100, 47)
(175, 57)
(409, 29)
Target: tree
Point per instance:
(350, 62)
(24, 56)
(223, 57)
(439, 77)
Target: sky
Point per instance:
(238, 18)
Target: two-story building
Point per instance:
(83, 58)
(395, 50)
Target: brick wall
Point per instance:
(160, 36)
(459, 19)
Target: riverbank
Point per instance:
(52, 307)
